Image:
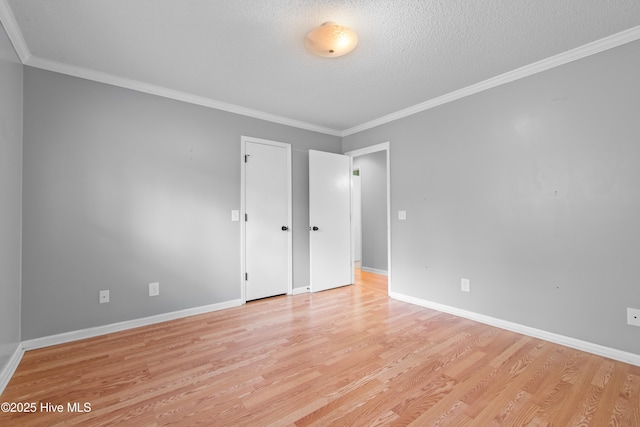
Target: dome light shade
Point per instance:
(331, 40)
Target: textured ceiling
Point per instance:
(250, 53)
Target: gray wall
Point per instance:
(373, 176)
(532, 191)
(122, 189)
(10, 196)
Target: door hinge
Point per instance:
(246, 276)
(246, 217)
(246, 156)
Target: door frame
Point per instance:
(385, 146)
(243, 223)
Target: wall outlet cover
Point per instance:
(633, 316)
(154, 289)
(465, 285)
(104, 296)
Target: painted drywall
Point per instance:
(10, 197)
(532, 191)
(373, 194)
(122, 189)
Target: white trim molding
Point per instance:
(10, 367)
(298, 291)
(17, 39)
(588, 49)
(8, 20)
(375, 271)
(600, 350)
(136, 85)
(122, 326)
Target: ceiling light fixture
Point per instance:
(331, 40)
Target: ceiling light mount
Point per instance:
(331, 40)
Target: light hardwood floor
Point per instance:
(349, 356)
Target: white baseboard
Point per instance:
(298, 291)
(611, 353)
(10, 367)
(121, 326)
(374, 270)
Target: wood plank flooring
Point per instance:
(344, 357)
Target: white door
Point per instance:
(329, 220)
(267, 209)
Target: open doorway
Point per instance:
(371, 210)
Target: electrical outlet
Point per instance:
(633, 316)
(465, 285)
(154, 289)
(104, 296)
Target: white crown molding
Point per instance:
(13, 30)
(139, 86)
(15, 35)
(122, 326)
(592, 48)
(597, 349)
(10, 25)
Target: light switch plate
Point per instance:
(402, 215)
(235, 215)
